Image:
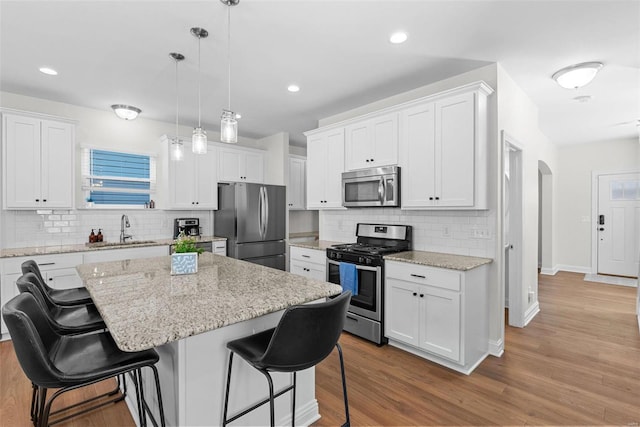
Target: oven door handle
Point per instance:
(358, 267)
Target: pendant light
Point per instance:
(177, 147)
(199, 137)
(228, 121)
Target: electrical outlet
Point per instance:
(480, 233)
(446, 232)
(531, 296)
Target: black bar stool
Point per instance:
(304, 337)
(68, 362)
(65, 320)
(72, 296)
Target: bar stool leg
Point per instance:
(344, 387)
(34, 406)
(226, 396)
(272, 408)
(293, 398)
(159, 394)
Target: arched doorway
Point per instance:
(545, 219)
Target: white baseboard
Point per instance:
(572, 268)
(305, 415)
(531, 313)
(611, 280)
(496, 348)
(549, 271)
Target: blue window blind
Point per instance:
(116, 178)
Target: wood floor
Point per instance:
(577, 363)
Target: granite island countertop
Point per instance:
(144, 306)
(441, 260)
(86, 247)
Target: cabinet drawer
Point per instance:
(45, 262)
(437, 277)
(315, 256)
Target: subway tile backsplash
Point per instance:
(456, 232)
(67, 227)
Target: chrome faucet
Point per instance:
(124, 222)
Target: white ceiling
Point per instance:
(109, 52)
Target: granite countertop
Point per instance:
(320, 245)
(304, 234)
(85, 247)
(144, 306)
(437, 259)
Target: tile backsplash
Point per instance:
(65, 227)
(456, 232)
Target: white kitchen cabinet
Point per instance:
(190, 183)
(325, 164)
(297, 190)
(38, 162)
(443, 151)
(220, 248)
(372, 142)
(310, 263)
(58, 270)
(437, 313)
(240, 164)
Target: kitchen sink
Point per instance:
(111, 244)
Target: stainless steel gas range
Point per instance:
(365, 317)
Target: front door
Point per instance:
(618, 224)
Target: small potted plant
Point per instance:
(184, 260)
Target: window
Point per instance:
(117, 178)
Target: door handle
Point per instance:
(601, 229)
(381, 191)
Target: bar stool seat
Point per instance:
(65, 319)
(65, 297)
(304, 337)
(68, 362)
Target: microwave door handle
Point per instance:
(381, 190)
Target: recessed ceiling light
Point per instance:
(49, 71)
(293, 88)
(399, 37)
(575, 76)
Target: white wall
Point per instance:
(518, 117)
(575, 164)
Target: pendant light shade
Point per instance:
(199, 137)
(228, 121)
(177, 147)
(228, 127)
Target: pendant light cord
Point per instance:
(177, 104)
(199, 78)
(229, 55)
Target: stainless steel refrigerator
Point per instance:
(252, 218)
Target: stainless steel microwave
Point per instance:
(373, 187)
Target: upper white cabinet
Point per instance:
(325, 164)
(372, 142)
(191, 182)
(38, 162)
(297, 190)
(240, 164)
(443, 150)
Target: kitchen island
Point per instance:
(189, 319)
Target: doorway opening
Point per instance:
(545, 219)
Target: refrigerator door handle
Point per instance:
(266, 213)
(260, 212)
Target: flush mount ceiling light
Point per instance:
(293, 88)
(126, 112)
(398, 37)
(199, 137)
(177, 148)
(48, 71)
(575, 76)
(228, 120)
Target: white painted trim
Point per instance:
(549, 271)
(464, 369)
(573, 268)
(479, 86)
(496, 348)
(531, 312)
(40, 116)
(305, 415)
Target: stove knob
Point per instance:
(361, 260)
(368, 261)
(338, 256)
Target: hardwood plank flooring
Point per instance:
(576, 363)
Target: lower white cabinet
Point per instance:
(57, 270)
(310, 263)
(439, 314)
(220, 248)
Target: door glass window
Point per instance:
(625, 190)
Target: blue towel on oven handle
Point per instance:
(349, 277)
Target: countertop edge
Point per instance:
(440, 260)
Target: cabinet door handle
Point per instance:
(305, 256)
(418, 276)
(437, 198)
(44, 200)
(430, 198)
(415, 294)
(37, 200)
(421, 295)
(51, 279)
(46, 263)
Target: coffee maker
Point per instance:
(190, 227)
